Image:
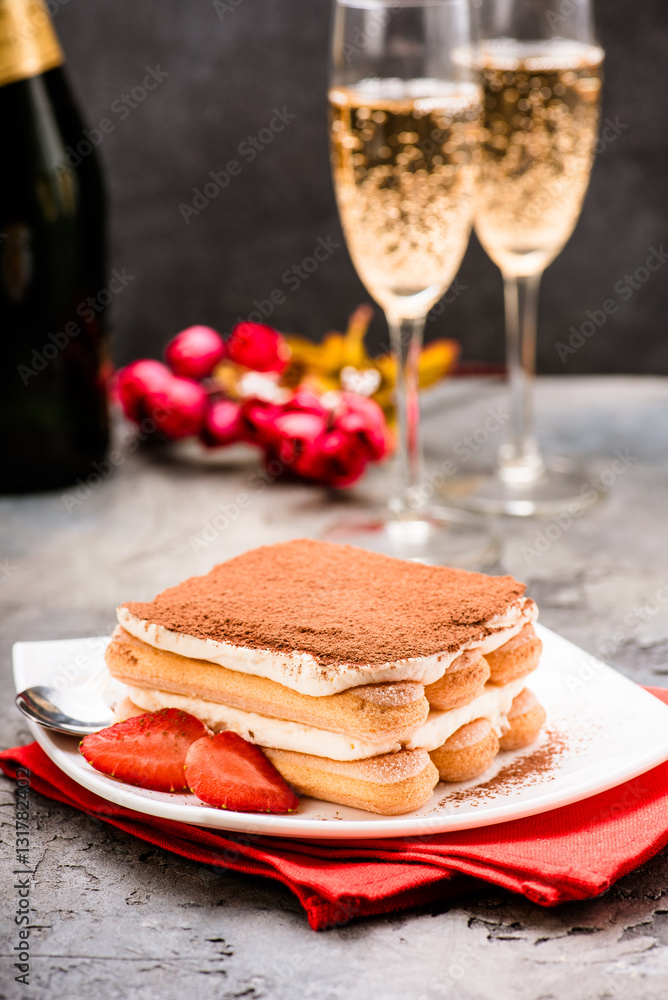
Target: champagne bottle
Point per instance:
(53, 344)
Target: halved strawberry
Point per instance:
(147, 750)
(227, 771)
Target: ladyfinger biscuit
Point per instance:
(467, 753)
(517, 657)
(463, 681)
(376, 713)
(390, 785)
(526, 718)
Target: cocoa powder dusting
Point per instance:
(338, 603)
(530, 769)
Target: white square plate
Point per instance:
(601, 730)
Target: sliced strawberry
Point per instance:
(227, 771)
(147, 750)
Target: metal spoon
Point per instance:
(37, 703)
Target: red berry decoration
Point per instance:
(228, 772)
(146, 750)
(222, 424)
(296, 433)
(257, 346)
(305, 401)
(363, 418)
(136, 381)
(258, 418)
(328, 440)
(195, 352)
(337, 460)
(178, 408)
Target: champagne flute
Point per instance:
(541, 73)
(404, 127)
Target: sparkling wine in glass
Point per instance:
(541, 74)
(404, 128)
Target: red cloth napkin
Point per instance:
(575, 852)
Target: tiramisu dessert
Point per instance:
(364, 679)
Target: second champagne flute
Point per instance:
(404, 122)
(541, 72)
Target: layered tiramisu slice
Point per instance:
(363, 678)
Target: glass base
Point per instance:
(435, 536)
(563, 486)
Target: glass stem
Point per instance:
(406, 340)
(519, 459)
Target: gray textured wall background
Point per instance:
(230, 63)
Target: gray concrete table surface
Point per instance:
(120, 919)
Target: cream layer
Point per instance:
(493, 704)
(304, 673)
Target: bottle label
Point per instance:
(28, 43)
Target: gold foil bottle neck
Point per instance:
(28, 43)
